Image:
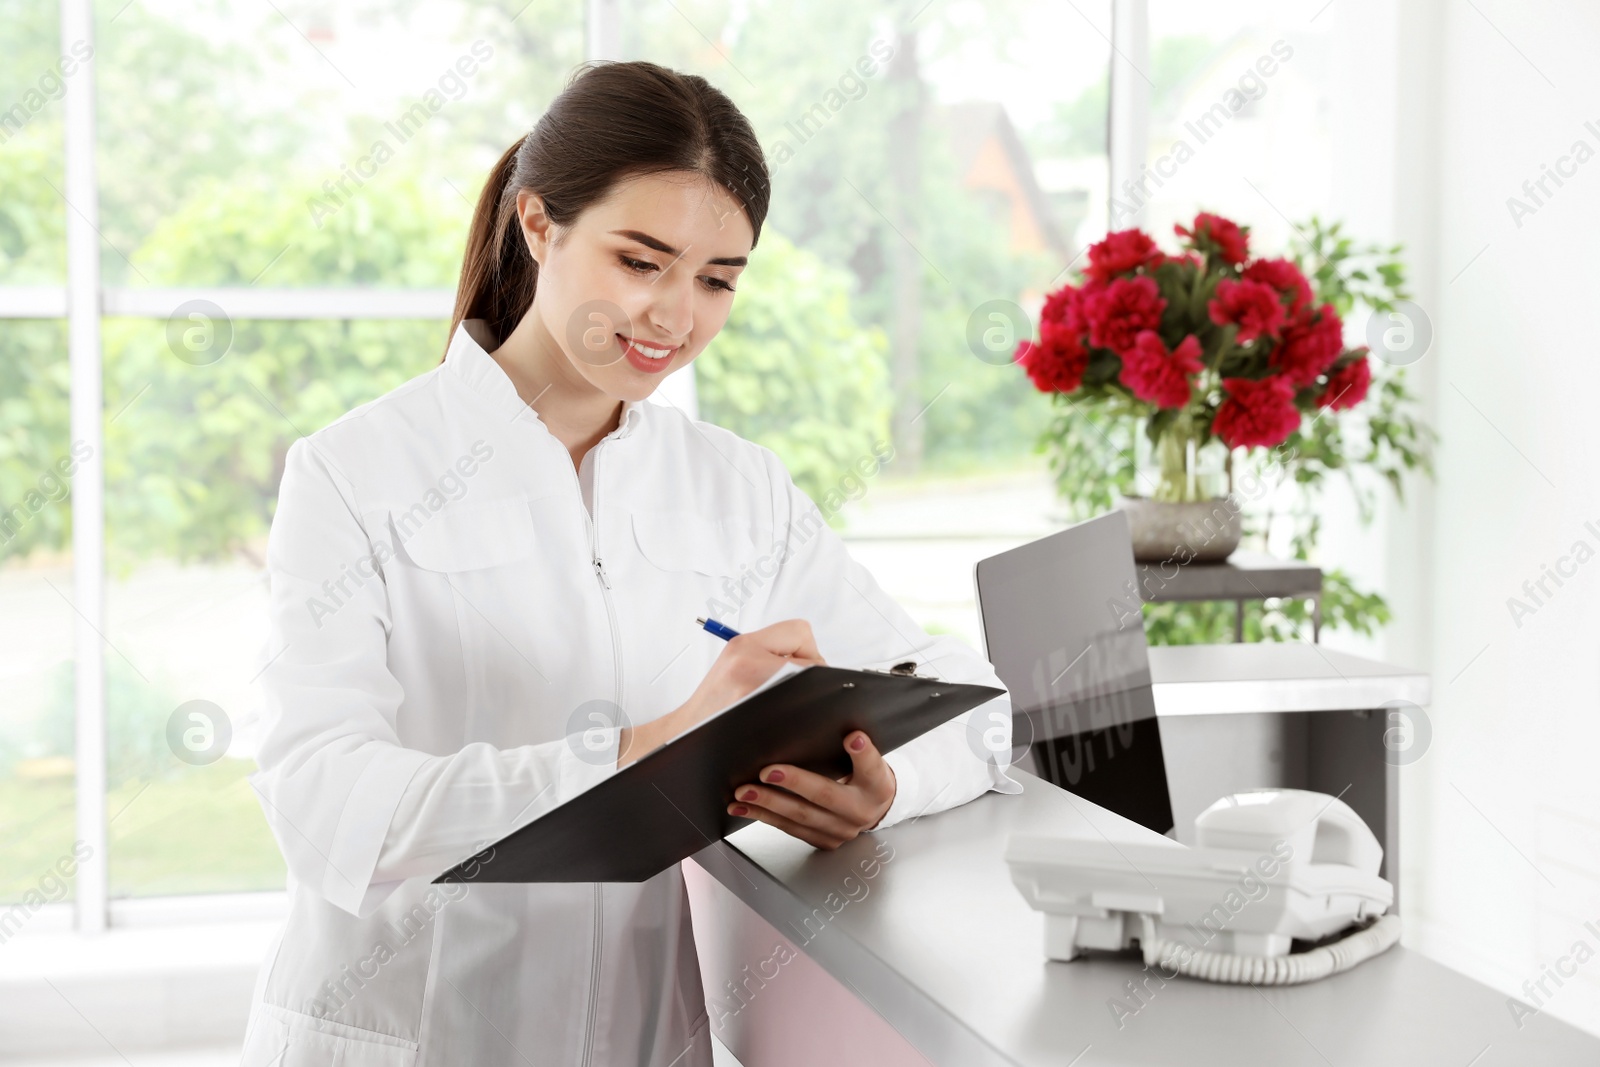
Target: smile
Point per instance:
(646, 356)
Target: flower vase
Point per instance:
(1189, 518)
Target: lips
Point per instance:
(650, 358)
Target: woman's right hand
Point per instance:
(743, 664)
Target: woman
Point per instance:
(484, 585)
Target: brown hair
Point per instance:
(613, 121)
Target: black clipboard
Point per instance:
(673, 802)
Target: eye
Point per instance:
(638, 265)
(718, 283)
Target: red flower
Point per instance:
(1064, 337)
(1252, 306)
(1310, 345)
(1159, 376)
(1118, 312)
(1065, 307)
(1347, 386)
(1256, 412)
(1121, 253)
(1053, 368)
(1284, 276)
(1213, 233)
(1056, 362)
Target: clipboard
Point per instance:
(672, 802)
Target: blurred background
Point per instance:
(306, 171)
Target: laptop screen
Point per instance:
(1062, 626)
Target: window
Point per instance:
(301, 163)
(280, 221)
(334, 148)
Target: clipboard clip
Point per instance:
(905, 669)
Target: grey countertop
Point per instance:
(1276, 676)
(943, 947)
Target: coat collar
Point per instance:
(469, 360)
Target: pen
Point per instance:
(712, 626)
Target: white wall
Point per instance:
(1451, 107)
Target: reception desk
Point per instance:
(911, 946)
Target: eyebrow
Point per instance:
(662, 246)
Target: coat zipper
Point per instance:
(617, 689)
(605, 586)
(604, 579)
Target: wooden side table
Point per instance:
(1242, 576)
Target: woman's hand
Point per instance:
(816, 809)
(742, 665)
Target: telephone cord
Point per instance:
(1293, 969)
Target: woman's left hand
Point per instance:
(817, 809)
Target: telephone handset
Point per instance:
(1269, 867)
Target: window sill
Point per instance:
(171, 971)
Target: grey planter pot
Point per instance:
(1205, 531)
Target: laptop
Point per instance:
(1061, 623)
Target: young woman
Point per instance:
(484, 587)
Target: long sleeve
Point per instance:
(858, 625)
(354, 811)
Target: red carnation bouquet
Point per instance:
(1205, 344)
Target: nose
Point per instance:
(671, 310)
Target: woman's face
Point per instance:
(639, 284)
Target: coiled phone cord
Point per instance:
(1320, 962)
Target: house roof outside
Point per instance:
(981, 133)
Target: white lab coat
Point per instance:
(446, 617)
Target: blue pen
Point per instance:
(712, 626)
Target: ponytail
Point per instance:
(612, 121)
(498, 276)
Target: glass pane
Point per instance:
(319, 126)
(930, 181)
(196, 448)
(32, 83)
(37, 462)
(297, 145)
(1238, 118)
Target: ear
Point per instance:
(536, 225)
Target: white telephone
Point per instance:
(1268, 867)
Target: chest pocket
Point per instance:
(690, 541)
(466, 535)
